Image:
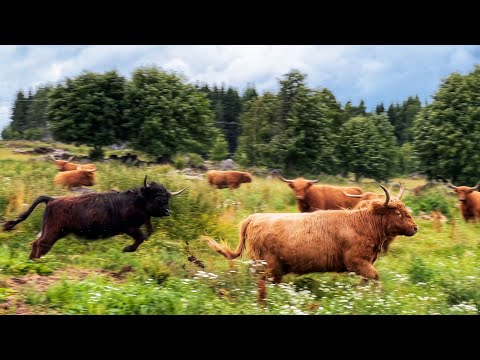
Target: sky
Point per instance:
(374, 73)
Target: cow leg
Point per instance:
(139, 238)
(362, 267)
(149, 227)
(45, 242)
(386, 243)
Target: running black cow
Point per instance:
(99, 215)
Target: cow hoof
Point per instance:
(129, 248)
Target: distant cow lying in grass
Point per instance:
(66, 165)
(231, 179)
(321, 241)
(74, 178)
(99, 215)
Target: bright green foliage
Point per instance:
(367, 146)
(166, 116)
(220, 149)
(89, 110)
(447, 131)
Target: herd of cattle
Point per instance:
(337, 229)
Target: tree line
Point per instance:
(299, 130)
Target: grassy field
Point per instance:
(175, 272)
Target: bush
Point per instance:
(419, 271)
(429, 201)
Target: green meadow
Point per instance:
(175, 272)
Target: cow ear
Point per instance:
(291, 185)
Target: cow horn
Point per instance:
(387, 195)
(313, 181)
(475, 187)
(352, 195)
(52, 157)
(90, 170)
(449, 183)
(175, 193)
(70, 159)
(283, 179)
(400, 192)
(145, 181)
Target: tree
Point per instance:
(220, 149)
(446, 132)
(232, 106)
(379, 109)
(166, 115)
(19, 113)
(89, 110)
(37, 117)
(367, 147)
(258, 126)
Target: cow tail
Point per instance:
(225, 250)
(10, 224)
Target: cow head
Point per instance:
(156, 197)
(299, 186)
(246, 178)
(64, 165)
(396, 216)
(87, 177)
(462, 191)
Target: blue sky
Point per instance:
(374, 73)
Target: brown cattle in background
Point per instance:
(321, 197)
(321, 241)
(469, 200)
(74, 178)
(231, 179)
(66, 165)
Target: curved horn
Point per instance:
(314, 181)
(283, 179)
(175, 193)
(352, 195)
(476, 186)
(70, 158)
(400, 192)
(90, 170)
(387, 195)
(449, 183)
(145, 181)
(52, 157)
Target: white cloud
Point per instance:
(383, 73)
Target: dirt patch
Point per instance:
(15, 305)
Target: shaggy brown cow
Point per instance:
(367, 198)
(469, 201)
(100, 215)
(66, 165)
(321, 197)
(74, 178)
(229, 178)
(321, 241)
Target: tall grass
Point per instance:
(175, 272)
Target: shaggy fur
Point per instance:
(312, 197)
(321, 241)
(230, 179)
(469, 201)
(64, 165)
(95, 216)
(74, 178)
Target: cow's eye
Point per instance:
(399, 214)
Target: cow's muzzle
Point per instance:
(299, 197)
